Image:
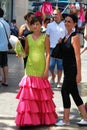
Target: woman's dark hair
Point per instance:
(73, 17)
(28, 15)
(1, 12)
(47, 20)
(36, 19)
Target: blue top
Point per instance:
(3, 38)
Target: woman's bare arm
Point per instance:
(76, 46)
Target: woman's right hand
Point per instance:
(60, 40)
(18, 55)
(21, 38)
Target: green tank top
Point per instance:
(35, 65)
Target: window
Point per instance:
(6, 6)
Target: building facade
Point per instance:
(14, 9)
(7, 5)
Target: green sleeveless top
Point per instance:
(36, 59)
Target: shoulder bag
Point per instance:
(57, 52)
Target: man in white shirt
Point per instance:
(55, 31)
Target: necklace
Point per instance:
(67, 36)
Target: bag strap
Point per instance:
(5, 31)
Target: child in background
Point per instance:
(14, 28)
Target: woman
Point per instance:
(70, 48)
(25, 29)
(36, 106)
(85, 35)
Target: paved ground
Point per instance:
(8, 103)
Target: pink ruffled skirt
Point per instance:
(35, 106)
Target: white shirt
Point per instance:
(55, 32)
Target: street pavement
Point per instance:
(8, 102)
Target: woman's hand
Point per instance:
(78, 78)
(18, 55)
(45, 75)
(21, 38)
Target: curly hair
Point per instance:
(86, 16)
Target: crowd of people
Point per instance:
(37, 39)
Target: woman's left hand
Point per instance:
(78, 78)
(85, 37)
(45, 75)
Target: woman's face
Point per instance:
(36, 26)
(30, 18)
(69, 23)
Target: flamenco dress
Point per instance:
(35, 95)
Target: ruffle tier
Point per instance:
(35, 106)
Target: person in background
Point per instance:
(85, 35)
(70, 48)
(36, 106)
(4, 48)
(14, 28)
(55, 30)
(25, 29)
(44, 25)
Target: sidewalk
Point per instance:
(8, 103)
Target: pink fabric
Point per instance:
(82, 16)
(35, 106)
(47, 8)
(38, 13)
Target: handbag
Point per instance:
(9, 44)
(57, 51)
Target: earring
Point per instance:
(73, 29)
